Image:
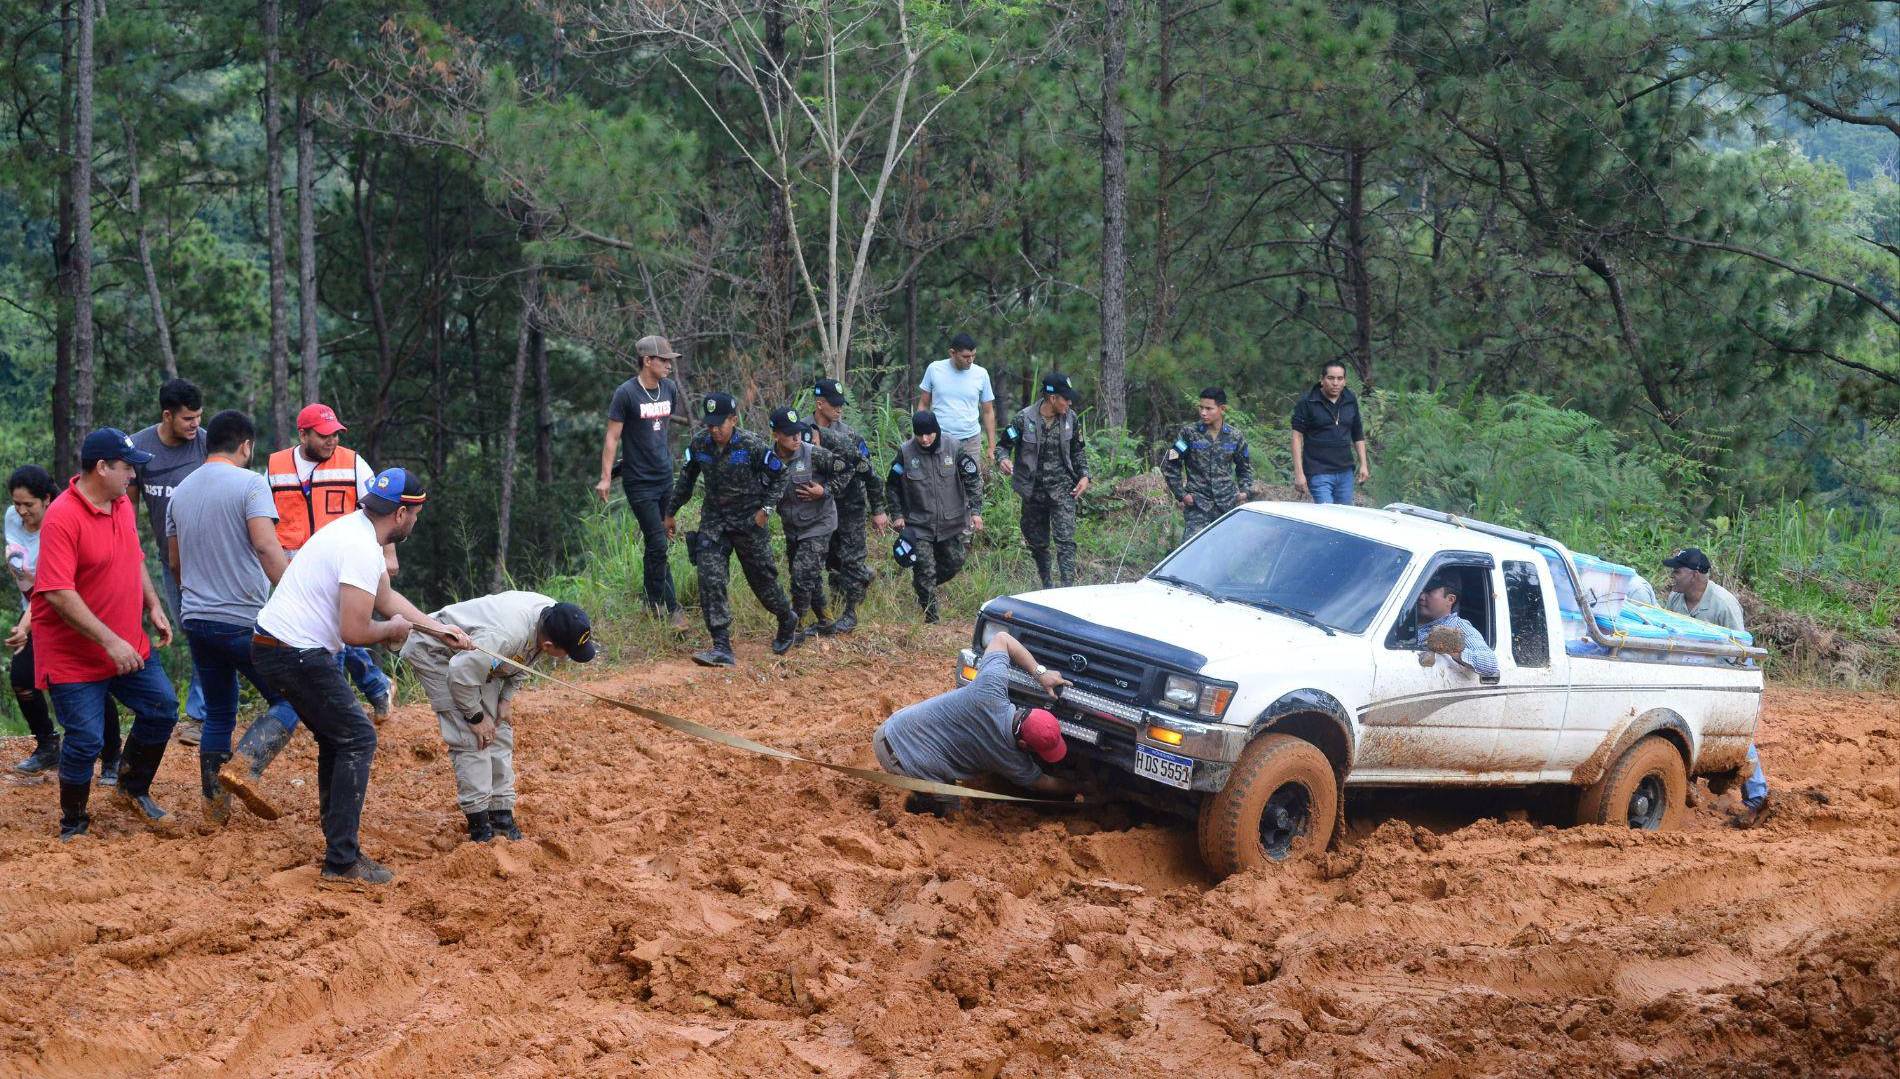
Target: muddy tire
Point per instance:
(1280, 803)
(1646, 789)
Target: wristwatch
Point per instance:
(1041, 670)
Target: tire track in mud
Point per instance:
(681, 910)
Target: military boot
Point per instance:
(504, 822)
(45, 757)
(719, 655)
(479, 828)
(240, 774)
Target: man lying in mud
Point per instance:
(975, 730)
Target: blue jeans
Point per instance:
(370, 680)
(194, 693)
(1755, 787)
(220, 652)
(1331, 487)
(81, 709)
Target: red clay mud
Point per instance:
(680, 909)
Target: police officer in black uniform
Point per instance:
(744, 482)
(935, 489)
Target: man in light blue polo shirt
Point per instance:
(958, 391)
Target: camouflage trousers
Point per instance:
(937, 562)
(845, 555)
(807, 558)
(1050, 515)
(1202, 513)
(713, 548)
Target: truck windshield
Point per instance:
(1257, 558)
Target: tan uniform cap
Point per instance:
(655, 345)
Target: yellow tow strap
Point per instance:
(740, 742)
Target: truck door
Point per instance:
(1534, 680)
(1436, 721)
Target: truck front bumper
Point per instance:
(1109, 730)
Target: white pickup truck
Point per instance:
(1270, 661)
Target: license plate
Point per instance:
(1164, 767)
(1079, 732)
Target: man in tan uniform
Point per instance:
(471, 692)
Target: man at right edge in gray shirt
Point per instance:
(976, 729)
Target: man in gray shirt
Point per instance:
(974, 730)
(221, 545)
(177, 446)
(1692, 593)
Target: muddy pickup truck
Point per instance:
(1271, 661)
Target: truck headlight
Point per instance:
(986, 631)
(1183, 693)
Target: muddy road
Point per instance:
(680, 909)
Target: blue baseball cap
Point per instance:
(111, 444)
(716, 408)
(393, 488)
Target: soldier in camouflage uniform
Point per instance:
(1207, 466)
(850, 571)
(936, 487)
(808, 510)
(744, 482)
(1041, 452)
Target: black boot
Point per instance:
(73, 819)
(217, 799)
(109, 771)
(1043, 568)
(479, 828)
(847, 621)
(45, 758)
(260, 745)
(137, 765)
(930, 612)
(719, 655)
(787, 635)
(822, 624)
(504, 822)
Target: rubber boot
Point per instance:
(504, 822)
(479, 828)
(1041, 556)
(217, 799)
(787, 635)
(109, 770)
(719, 655)
(73, 819)
(44, 759)
(260, 745)
(847, 621)
(138, 763)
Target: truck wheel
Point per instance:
(1645, 789)
(1280, 801)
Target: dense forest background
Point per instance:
(1659, 240)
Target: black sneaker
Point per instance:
(44, 759)
(366, 871)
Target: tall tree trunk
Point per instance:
(307, 242)
(1358, 274)
(82, 225)
(1164, 171)
(363, 196)
(152, 294)
(524, 347)
(1114, 216)
(274, 216)
(543, 409)
(65, 449)
(780, 273)
(438, 324)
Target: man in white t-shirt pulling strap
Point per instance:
(324, 602)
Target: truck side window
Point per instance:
(1530, 629)
(1474, 599)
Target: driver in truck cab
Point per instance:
(976, 730)
(1442, 631)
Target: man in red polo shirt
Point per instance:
(89, 594)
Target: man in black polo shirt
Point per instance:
(1327, 437)
(638, 418)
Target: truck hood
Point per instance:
(1219, 631)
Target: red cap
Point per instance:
(319, 418)
(1042, 735)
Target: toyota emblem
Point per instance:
(1078, 662)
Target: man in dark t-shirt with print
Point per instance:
(638, 418)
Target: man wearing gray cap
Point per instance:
(638, 418)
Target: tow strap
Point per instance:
(740, 742)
